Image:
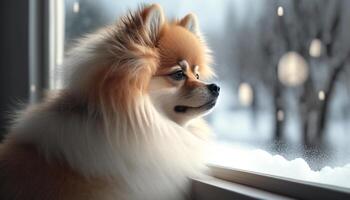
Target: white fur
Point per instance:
(153, 160)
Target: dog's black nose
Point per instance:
(214, 89)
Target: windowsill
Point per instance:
(219, 189)
(239, 184)
(260, 161)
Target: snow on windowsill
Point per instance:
(258, 160)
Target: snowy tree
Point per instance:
(313, 26)
(316, 32)
(258, 48)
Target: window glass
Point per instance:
(283, 67)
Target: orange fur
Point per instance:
(177, 44)
(192, 84)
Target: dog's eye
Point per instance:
(178, 76)
(197, 76)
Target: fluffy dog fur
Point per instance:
(112, 133)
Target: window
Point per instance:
(284, 108)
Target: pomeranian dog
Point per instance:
(127, 125)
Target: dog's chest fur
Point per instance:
(151, 161)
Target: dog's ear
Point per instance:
(153, 19)
(190, 22)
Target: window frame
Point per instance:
(45, 46)
(38, 48)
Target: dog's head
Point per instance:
(178, 88)
(144, 54)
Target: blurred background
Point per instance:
(283, 66)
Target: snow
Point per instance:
(261, 161)
(247, 143)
